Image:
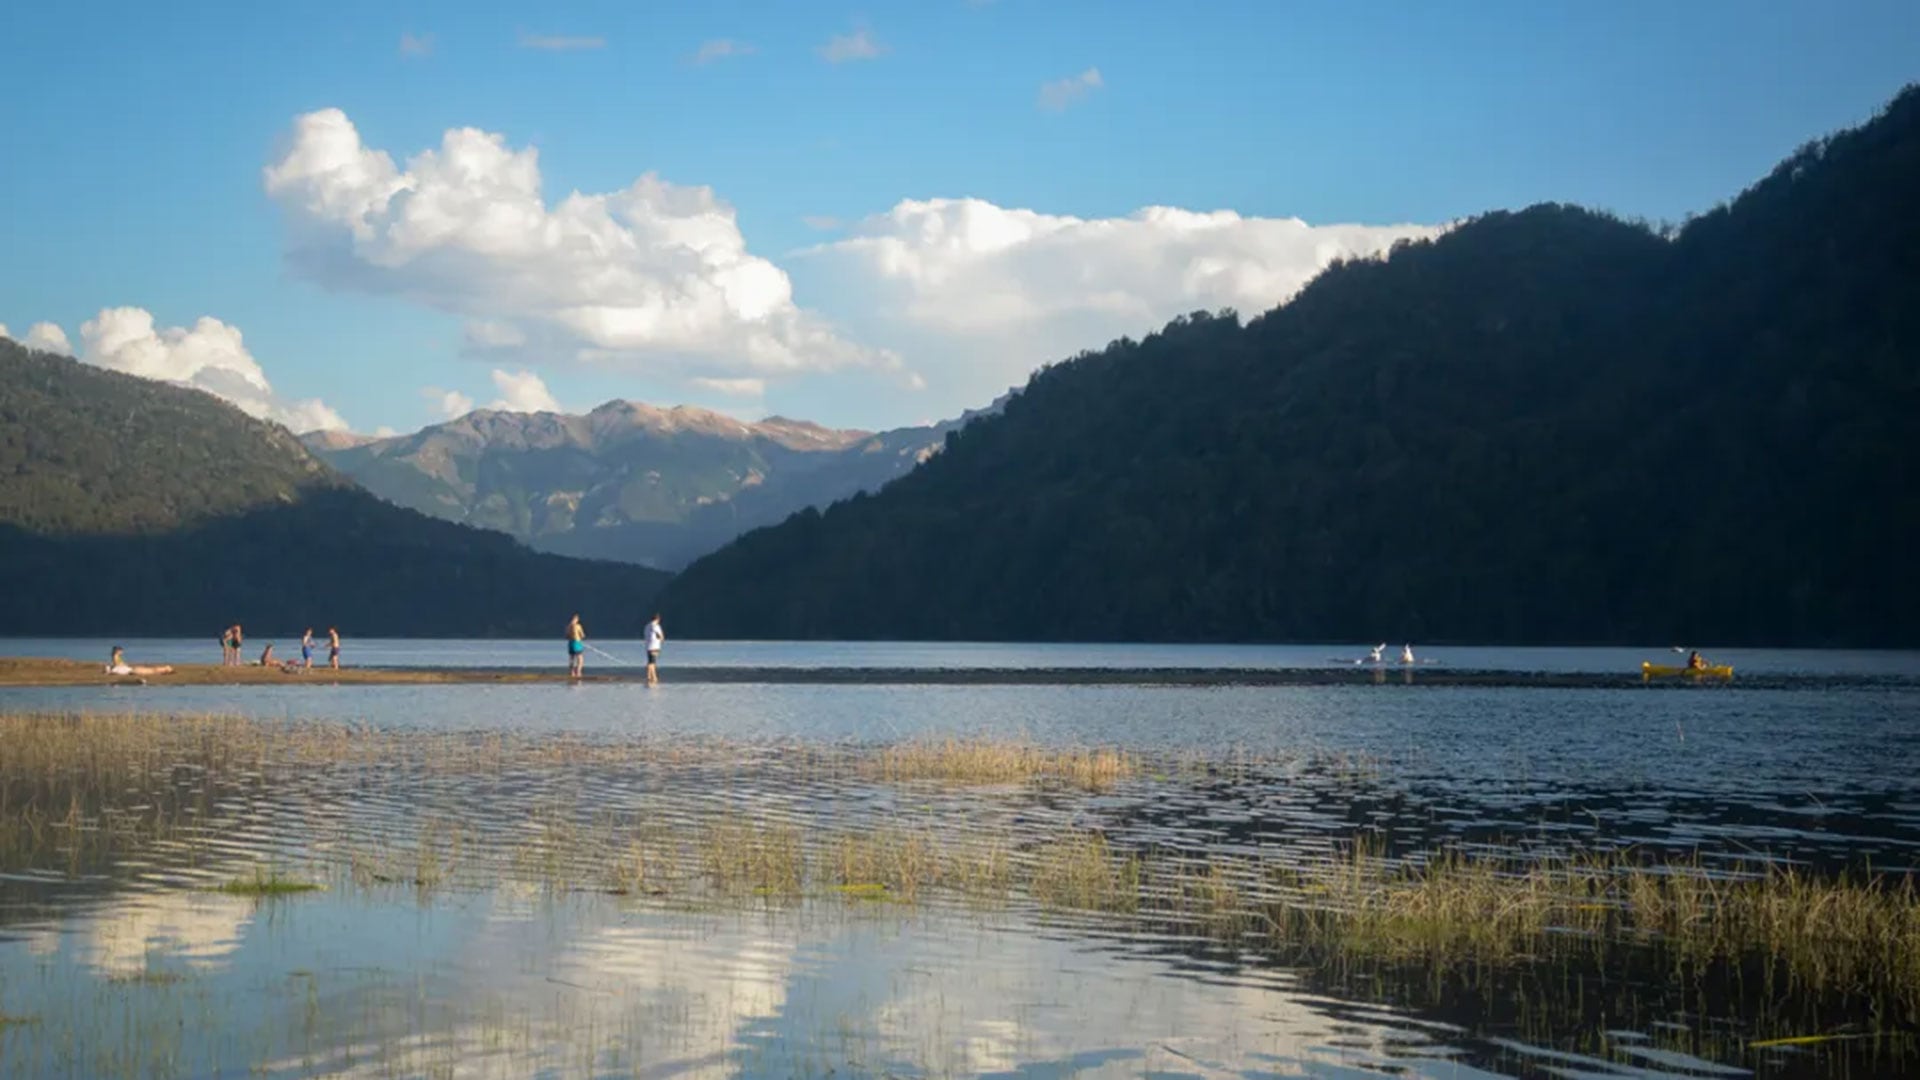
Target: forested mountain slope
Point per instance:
(131, 506)
(625, 481)
(1546, 425)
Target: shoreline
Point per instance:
(47, 672)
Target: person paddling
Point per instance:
(576, 648)
(656, 637)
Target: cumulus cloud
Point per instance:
(49, 338)
(522, 391)
(561, 42)
(210, 355)
(1060, 93)
(45, 336)
(749, 388)
(722, 49)
(416, 44)
(977, 295)
(450, 404)
(858, 45)
(655, 277)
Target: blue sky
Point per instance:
(879, 268)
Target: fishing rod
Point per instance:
(606, 654)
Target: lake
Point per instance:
(612, 880)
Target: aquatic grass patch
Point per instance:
(1850, 930)
(753, 858)
(1001, 761)
(1081, 871)
(266, 884)
(716, 822)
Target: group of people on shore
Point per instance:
(233, 639)
(577, 649)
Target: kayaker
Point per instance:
(1373, 654)
(1696, 662)
(1406, 654)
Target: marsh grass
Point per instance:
(78, 791)
(1001, 761)
(267, 883)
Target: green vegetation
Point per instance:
(1547, 425)
(267, 883)
(130, 506)
(625, 481)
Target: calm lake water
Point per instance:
(132, 968)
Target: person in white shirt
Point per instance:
(1406, 654)
(655, 638)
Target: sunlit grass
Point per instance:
(266, 883)
(78, 791)
(1001, 761)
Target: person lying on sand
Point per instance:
(117, 665)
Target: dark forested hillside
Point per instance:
(130, 506)
(1543, 426)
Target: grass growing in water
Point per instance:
(999, 761)
(73, 787)
(266, 883)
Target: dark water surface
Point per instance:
(133, 969)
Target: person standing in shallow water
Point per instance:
(656, 637)
(576, 648)
(333, 647)
(306, 650)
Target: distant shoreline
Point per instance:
(43, 672)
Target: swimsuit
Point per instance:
(575, 646)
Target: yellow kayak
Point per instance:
(1650, 670)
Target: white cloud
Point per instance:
(977, 295)
(858, 45)
(450, 404)
(561, 42)
(416, 44)
(722, 49)
(493, 334)
(209, 356)
(751, 388)
(45, 336)
(655, 277)
(49, 338)
(523, 391)
(1060, 93)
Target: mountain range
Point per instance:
(1542, 426)
(130, 506)
(1547, 425)
(626, 481)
